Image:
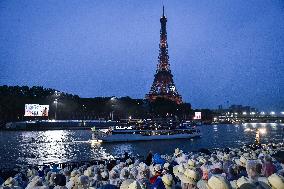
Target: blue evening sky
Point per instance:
(221, 52)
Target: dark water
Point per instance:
(37, 147)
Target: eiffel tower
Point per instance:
(163, 85)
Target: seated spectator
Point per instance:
(268, 168)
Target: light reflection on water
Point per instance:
(122, 148)
(37, 147)
(215, 127)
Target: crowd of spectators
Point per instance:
(248, 167)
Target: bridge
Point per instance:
(251, 118)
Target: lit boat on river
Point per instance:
(125, 134)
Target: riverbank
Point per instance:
(44, 125)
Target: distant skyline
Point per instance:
(220, 52)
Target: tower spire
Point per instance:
(163, 85)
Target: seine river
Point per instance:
(37, 147)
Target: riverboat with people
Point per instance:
(132, 133)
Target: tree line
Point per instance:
(69, 106)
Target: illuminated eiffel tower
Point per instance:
(163, 85)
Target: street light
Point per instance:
(55, 102)
(272, 113)
(244, 113)
(112, 102)
(56, 96)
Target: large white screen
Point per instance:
(197, 115)
(36, 110)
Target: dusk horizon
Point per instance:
(220, 53)
(141, 94)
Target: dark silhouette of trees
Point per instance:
(14, 98)
(162, 107)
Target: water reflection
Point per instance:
(54, 146)
(122, 148)
(39, 147)
(43, 146)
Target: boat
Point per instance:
(130, 133)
